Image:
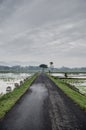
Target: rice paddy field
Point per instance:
(10, 79)
(74, 80)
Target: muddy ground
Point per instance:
(44, 107)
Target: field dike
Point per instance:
(78, 98)
(8, 100)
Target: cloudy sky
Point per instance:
(39, 31)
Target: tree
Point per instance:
(51, 66)
(43, 66)
(51, 63)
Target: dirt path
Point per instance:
(44, 107)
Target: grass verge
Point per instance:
(75, 96)
(8, 100)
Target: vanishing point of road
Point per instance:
(44, 107)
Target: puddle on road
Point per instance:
(33, 115)
(34, 103)
(38, 91)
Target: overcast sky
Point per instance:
(39, 31)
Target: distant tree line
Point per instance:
(38, 68)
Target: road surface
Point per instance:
(44, 107)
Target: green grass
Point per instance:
(8, 100)
(75, 96)
(73, 80)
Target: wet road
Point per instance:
(44, 107)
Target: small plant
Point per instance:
(8, 89)
(66, 76)
(17, 85)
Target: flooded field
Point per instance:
(80, 84)
(76, 80)
(10, 80)
(58, 75)
(79, 75)
(71, 75)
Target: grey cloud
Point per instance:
(42, 30)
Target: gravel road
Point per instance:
(44, 107)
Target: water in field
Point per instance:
(80, 75)
(80, 84)
(62, 75)
(58, 75)
(9, 79)
(78, 80)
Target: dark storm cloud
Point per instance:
(36, 31)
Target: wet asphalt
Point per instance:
(44, 107)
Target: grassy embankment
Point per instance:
(75, 96)
(8, 100)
